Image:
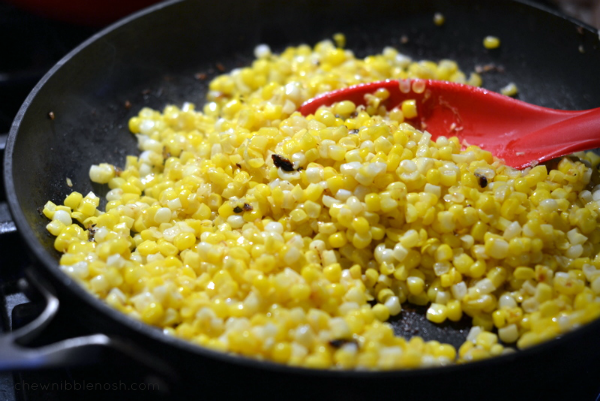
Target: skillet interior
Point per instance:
(152, 61)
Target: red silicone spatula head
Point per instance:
(518, 132)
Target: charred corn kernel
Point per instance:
(246, 227)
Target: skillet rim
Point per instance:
(49, 264)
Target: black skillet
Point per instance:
(77, 115)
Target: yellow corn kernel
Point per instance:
(443, 253)
(486, 340)
(338, 239)
(491, 42)
(333, 272)
(454, 310)
(153, 314)
(524, 273)
(73, 200)
(381, 312)
(409, 108)
(437, 313)
(147, 248)
(416, 285)
(361, 225)
(184, 241)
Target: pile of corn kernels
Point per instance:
(248, 228)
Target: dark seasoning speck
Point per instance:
(341, 342)
(482, 179)
(282, 163)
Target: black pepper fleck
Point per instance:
(483, 181)
(248, 207)
(91, 233)
(341, 342)
(282, 162)
(237, 209)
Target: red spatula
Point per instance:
(518, 132)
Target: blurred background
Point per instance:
(587, 11)
(37, 33)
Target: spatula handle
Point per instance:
(578, 132)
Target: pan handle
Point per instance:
(78, 351)
(6, 224)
